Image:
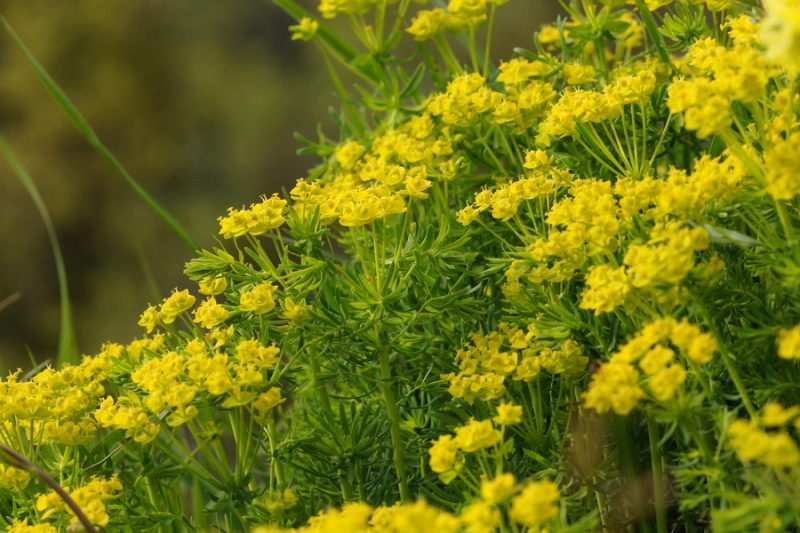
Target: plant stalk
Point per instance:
(394, 421)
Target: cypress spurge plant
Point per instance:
(557, 293)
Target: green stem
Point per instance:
(473, 49)
(652, 30)
(322, 392)
(272, 447)
(737, 381)
(658, 479)
(347, 489)
(394, 421)
(487, 52)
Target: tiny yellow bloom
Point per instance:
(260, 299)
(305, 30)
(508, 414)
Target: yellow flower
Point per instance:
(267, 401)
(477, 435)
(742, 29)
(776, 415)
(296, 311)
(751, 443)
(18, 526)
(508, 414)
(789, 343)
(481, 517)
(780, 33)
(781, 162)
(498, 489)
(174, 305)
(11, 477)
(536, 504)
(305, 30)
(348, 154)
(701, 349)
(614, 386)
(213, 285)
(537, 160)
(209, 313)
(260, 299)
(149, 318)
(416, 184)
(90, 498)
(607, 288)
(473, 11)
(236, 224)
(549, 34)
(428, 24)
(252, 352)
(443, 453)
(579, 74)
(518, 70)
(664, 383)
(467, 215)
(266, 215)
(656, 360)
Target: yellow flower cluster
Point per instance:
(533, 505)
(55, 405)
(508, 414)
(305, 30)
(459, 15)
(475, 435)
(617, 385)
(657, 267)
(467, 98)
(742, 29)
(590, 222)
(22, 526)
(260, 299)
(782, 160)
(789, 343)
(213, 285)
(587, 221)
(171, 308)
(373, 184)
(416, 517)
(713, 180)
(91, 498)
(210, 314)
(11, 477)
(581, 106)
(780, 33)
(718, 76)
(504, 201)
(128, 416)
(170, 382)
(484, 365)
(268, 214)
(766, 439)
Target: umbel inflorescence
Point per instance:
(555, 293)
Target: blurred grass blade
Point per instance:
(67, 343)
(10, 299)
(86, 130)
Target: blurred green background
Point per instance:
(198, 99)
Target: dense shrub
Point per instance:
(559, 294)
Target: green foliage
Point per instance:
(558, 294)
